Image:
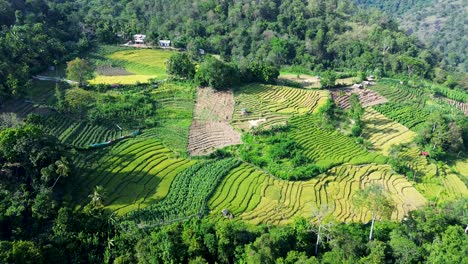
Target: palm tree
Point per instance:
(62, 169)
(97, 197)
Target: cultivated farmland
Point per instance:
(268, 105)
(134, 173)
(382, 132)
(210, 128)
(461, 106)
(366, 97)
(134, 65)
(257, 197)
(409, 115)
(326, 147)
(188, 194)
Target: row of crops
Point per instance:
(394, 91)
(77, 133)
(382, 132)
(453, 94)
(134, 173)
(409, 115)
(188, 194)
(254, 196)
(274, 104)
(327, 148)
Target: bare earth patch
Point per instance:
(367, 97)
(210, 129)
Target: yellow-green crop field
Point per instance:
(143, 63)
(382, 132)
(135, 173)
(257, 197)
(269, 105)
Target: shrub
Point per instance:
(328, 79)
(181, 66)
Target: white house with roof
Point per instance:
(139, 39)
(164, 43)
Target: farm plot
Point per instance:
(188, 195)
(409, 115)
(132, 65)
(382, 132)
(366, 97)
(76, 133)
(210, 128)
(399, 93)
(257, 197)
(268, 105)
(447, 186)
(134, 173)
(328, 148)
(461, 106)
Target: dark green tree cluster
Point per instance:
(423, 19)
(355, 113)
(316, 34)
(218, 74)
(34, 35)
(442, 135)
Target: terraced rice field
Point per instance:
(418, 163)
(366, 97)
(382, 132)
(268, 105)
(408, 115)
(210, 128)
(328, 148)
(257, 197)
(134, 173)
(143, 64)
(396, 92)
(443, 188)
(78, 134)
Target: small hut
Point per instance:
(164, 43)
(244, 111)
(227, 214)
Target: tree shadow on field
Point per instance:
(371, 131)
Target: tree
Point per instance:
(217, 74)
(322, 215)
(181, 66)
(450, 247)
(62, 170)
(404, 249)
(97, 197)
(328, 79)
(374, 199)
(79, 70)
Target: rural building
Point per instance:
(243, 111)
(201, 51)
(139, 39)
(164, 43)
(357, 85)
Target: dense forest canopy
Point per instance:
(441, 24)
(315, 34)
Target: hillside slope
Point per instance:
(441, 24)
